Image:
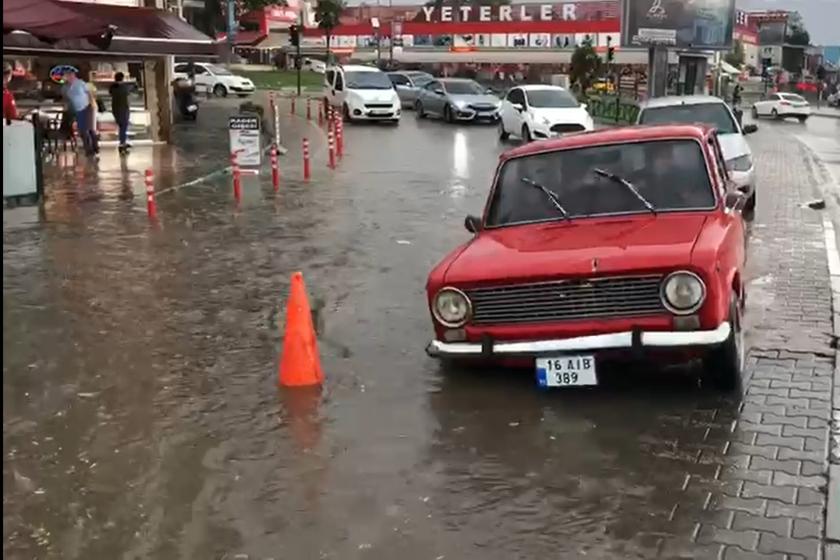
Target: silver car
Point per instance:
(456, 99)
(408, 83)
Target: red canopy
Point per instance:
(50, 20)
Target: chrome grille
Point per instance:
(377, 105)
(480, 107)
(568, 300)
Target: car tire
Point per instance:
(774, 113)
(754, 113)
(503, 134)
(220, 90)
(724, 365)
(749, 206)
(802, 119)
(448, 116)
(418, 110)
(526, 135)
(345, 113)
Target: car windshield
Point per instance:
(368, 80)
(463, 88)
(792, 97)
(711, 114)
(551, 98)
(421, 80)
(219, 70)
(663, 175)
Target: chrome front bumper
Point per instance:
(611, 341)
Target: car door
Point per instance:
(515, 108)
(733, 249)
(329, 92)
(203, 80)
(340, 88)
(405, 90)
(432, 99)
(766, 107)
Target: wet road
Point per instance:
(142, 419)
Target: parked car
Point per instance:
(215, 79)
(539, 111)
(613, 245)
(362, 93)
(314, 65)
(408, 83)
(713, 112)
(782, 105)
(457, 99)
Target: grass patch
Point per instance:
(284, 79)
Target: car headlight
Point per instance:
(451, 307)
(683, 293)
(461, 104)
(742, 163)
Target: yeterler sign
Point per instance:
(698, 24)
(520, 12)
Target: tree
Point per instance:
(736, 56)
(796, 32)
(327, 14)
(585, 65)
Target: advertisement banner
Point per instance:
(244, 134)
(698, 24)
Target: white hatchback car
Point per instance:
(782, 105)
(711, 111)
(362, 93)
(539, 111)
(216, 79)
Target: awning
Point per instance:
(58, 27)
(728, 68)
(242, 38)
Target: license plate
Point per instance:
(566, 371)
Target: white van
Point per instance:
(362, 93)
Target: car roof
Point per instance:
(360, 68)
(454, 80)
(671, 100)
(532, 87)
(625, 134)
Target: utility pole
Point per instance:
(231, 25)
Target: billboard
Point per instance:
(697, 24)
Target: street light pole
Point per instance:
(231, 25)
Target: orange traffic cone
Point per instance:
(300, 364)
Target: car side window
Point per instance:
(719, 166)
(399, 80)
(432, 86)
(329, 77)
(181, 68)
(339, 81)
(200, 70)
(516, 96)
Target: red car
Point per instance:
(610, 245)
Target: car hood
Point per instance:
(576, 115)
(538, 252)
(374, 95)
(478, 99)
(733, 145)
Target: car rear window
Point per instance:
(669, 174)
(792, 97)
(711, 114)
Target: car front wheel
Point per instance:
(220, 91)
(448, 115)
(774, 113)
(418, 110)
(503, 134)
(526, 134)
(724, 365)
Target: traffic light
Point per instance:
(610, 49)
(294, 35)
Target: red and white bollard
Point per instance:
(293, 105)
(339, 137)
(275, 168)
(237, 180)
(306, 170)
(151, 205)
(331, 139)
(309, 108)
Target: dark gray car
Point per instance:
(457, 99)
(407, 84)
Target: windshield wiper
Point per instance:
(552, 196)
(628, 185)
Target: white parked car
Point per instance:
(782, 105)
(711, 111)
(314, 65)
(362, 93)
(538, 111)
(215, 79)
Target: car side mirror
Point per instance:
(750, 128)
(439, 91)
(472, 224)
(518, 107)
(583, 106)
(735, 200)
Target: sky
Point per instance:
(821, 16)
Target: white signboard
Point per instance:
(244, 131)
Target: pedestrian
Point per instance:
(96, 109)
(736, 95)
(9, 106)
(83, 104)
(120, 108)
